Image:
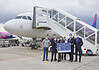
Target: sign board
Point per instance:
(63, 47)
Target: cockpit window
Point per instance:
(18, 17)
(24, 17)
(29, 18)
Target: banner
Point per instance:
(63, 47)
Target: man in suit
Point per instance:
(78, 43)
(72, 42)
(53, 48)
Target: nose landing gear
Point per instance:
(34, 44)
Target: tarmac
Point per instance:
(23, 58)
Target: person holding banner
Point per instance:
(72, 42)
(61, 55)
(53, 48)
(64, 53)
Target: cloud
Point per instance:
(89, 3)
(19, 6)
(84, 8)
(15, 6)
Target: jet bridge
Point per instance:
(64, 23)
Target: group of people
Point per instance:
(75, 44)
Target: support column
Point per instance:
(34, 18)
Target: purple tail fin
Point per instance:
(94, 21)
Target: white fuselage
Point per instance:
(23, 27)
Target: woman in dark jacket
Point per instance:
(53, 49)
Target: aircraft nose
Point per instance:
(8, 26)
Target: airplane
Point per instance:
(22, 25)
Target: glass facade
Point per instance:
(78, 26)
(55, 18)
(71, 27)
(68, 20)
(61, 16)
(62, 22)
(53, 13)
(89, 32)
(91, 39)
(81, 33)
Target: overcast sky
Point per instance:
(84, 9)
